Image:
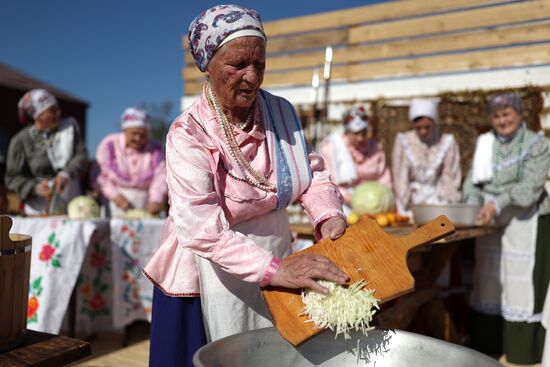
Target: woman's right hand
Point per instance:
(302, 271)
(487, 213)
(43, 189)
(121, 202)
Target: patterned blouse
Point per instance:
(425, 173)
(520, 169)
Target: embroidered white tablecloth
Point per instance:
(58, 249)
(100, 259)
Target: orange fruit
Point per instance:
(382, 220)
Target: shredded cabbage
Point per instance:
(136, 214)
(343, 309)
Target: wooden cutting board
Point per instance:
(365, 251)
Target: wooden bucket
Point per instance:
(15, 266)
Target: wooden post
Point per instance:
(15, 265)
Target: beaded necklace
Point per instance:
(43, 139)
(251, 176)
(244, 125)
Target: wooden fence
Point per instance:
(402, 38)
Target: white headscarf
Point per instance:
(424, 108)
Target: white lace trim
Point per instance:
(426, 174)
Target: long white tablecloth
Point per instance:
(100, 259)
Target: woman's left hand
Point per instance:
(487, 213)
(333, 227)
(59, 183)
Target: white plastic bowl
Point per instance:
(462, 215)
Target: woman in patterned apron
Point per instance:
(46, 158)
(425, 163)
(132, 170)
(511, 272)
(235, 159)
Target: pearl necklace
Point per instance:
(260, 181)
(244, 125)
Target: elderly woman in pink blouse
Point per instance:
(352, 157)
(235, 159)
(132, 170)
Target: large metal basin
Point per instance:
(461, 214)
(266, 348)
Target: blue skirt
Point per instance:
(177, 330)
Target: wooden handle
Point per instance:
(430, 232)
(5, 226)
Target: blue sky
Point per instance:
(116, 53)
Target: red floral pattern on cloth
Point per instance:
(48, 252)
(35, 290)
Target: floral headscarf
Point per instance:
(135, 117)
(218, 25)
(33, 103)
(497, 101)
(356, 119)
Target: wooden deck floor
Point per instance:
(136, 355)
(128, 348)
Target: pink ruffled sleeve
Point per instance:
(158, 188)
(322, 200)
(383, 169)
(107, 187)
(201, 225)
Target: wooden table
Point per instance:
(426, 264)
(45, 350)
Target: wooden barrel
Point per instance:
(15, 266)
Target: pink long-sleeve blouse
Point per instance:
(121, 166)
(369, 160)
(206, 201)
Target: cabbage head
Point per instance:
(83, 207)
(372, 197)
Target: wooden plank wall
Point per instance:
(402, 38)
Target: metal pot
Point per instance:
(266, 348)
(462, 215)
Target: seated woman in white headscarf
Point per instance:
(425, 162)
(511, 273)
(352, 157)
(47, 157)
(132, 167)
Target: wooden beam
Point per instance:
(308, 40)
(192, 88)
(363, 14)
(484, 17)
(508, 36)
(464, 62)
(488, 59)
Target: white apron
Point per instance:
(136, 197)
(503, 275)
(230, 305)
(37, 205)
